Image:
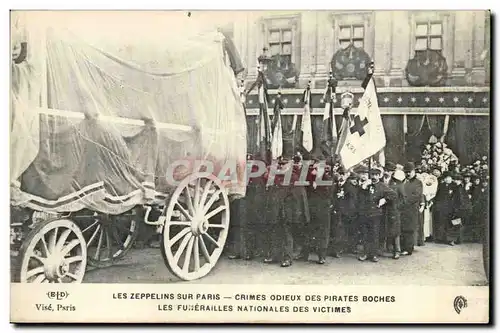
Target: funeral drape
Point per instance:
(108, 68)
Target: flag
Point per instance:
(264, 128)
(365, 136)
(344, 128)
(329, 125)
(307, 138)
(277, 138)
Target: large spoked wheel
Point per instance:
(53, 252)
(196, 226)
(109, 237)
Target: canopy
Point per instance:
(113, 71)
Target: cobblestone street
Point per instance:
(433, 264)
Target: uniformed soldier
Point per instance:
(393, 211)
(287, 208)
(373, 196)
(319, 201)
(413, 207)
(345, 229)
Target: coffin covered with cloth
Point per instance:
(105, 105)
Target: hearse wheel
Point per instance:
(54, 251)
(109, 237)
(196, 226)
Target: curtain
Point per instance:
(469, 137)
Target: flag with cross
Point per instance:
(365, 136)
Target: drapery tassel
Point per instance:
(445, 127)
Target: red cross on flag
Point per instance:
(365, 136)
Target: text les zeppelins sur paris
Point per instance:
(248, 302)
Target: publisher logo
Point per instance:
(459, 304)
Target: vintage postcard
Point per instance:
(250, 166)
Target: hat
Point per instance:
(375, 171)
(457, 176)
(467, 173)
(341, 170)
(389, 166)
(447, 174)
(409, 167)
(362, 169)
(399, 167)
(353, 176)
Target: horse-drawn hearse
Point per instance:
(111, 115)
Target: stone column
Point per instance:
(478, 75)
(462, 48)
(382, 46)
(308, 47)
(400, 42)
(254, 32)
(325, 42)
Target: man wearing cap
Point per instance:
(319, 200)
(345, 229)
(392, 211)
(413, 207)
(373, 195)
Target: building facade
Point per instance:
(432, 70)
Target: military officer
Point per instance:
(373, 196)
(345, 229)
(319, 201)
(413, 207)
(287, 208)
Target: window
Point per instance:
(352, 34)
(280, 44)
(429, 35)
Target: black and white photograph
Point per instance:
(282, 148)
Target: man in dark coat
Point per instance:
(373, 196)
(446, 209)
(414, 205)
(345, 229)
(251, 215)
(465, 198)
(393, 210)
(319, 201)
(480, 207)
(287, 208)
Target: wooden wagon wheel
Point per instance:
(53, 252)
(109, 237)
(192, 244)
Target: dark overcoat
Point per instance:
(393, 209)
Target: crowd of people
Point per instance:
(367, 212)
